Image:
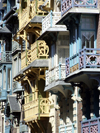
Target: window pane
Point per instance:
(88, 23)
(63, 53)
(52, 55)
(88, 39)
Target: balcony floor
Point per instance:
(83, 75)
(76, 10)
(55, 84)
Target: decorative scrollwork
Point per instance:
(43, 49)
(44, 105)
(94, 129)
(85, 130)
(93, 60)
(85, 2)
(67, 4)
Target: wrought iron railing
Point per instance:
(50, 20)
(56, 73)
(67, 4)
(6, 56)
(69, 128)
(87, 58)
(90, 126)
(39, 50)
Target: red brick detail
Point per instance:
(79, 116)
(57, 121)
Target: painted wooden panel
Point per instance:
(36, 109)
(39, 50)
(26, 13)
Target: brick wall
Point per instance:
(79, 116)
(57, 121)
(98, 27)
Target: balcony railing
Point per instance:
(87, 58)
(6, 56)
(36, 109)
(50, 20)
(57, 73)
(69, 128)
(90, 126)
(68, 4)
(24, 17)
(30, 12)
(39, 50)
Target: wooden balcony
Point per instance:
(50, 20)
(6, 57)
(35, 109)
(29, 12)
(91, 125)
(57, 73)
(87, 58)
(66, 5)
(39, 50)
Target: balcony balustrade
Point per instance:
(50, 20)
(39, 50)
(69, 128)
(87, 58)
(68, 4)
(6, 56)
(37, 108)
(32, 10)
(56, 73)
(90, 126)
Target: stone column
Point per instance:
(76, 98)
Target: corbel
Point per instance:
(40, 126)
(33, 127)
(35, 71)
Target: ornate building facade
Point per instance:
(49, 67)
